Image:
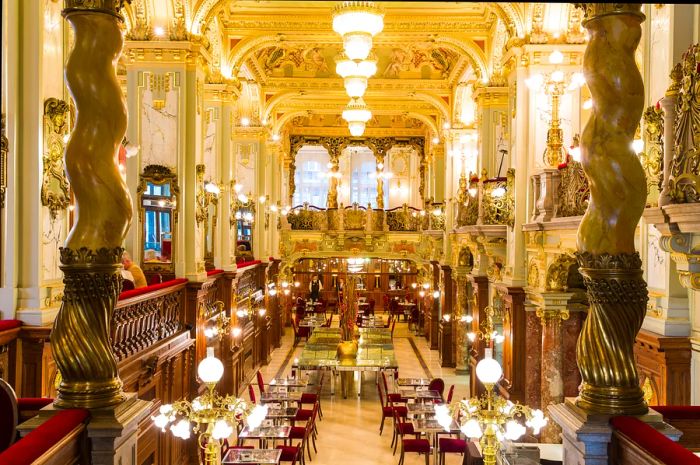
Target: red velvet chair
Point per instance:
(261, 382)
(417, 445)
(450, 393)
(15, 411)
(450, 446)
(437, 384)
(251, 393)
(394, 397)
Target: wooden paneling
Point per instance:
(477, 300)
(515, 372)
(665, 361)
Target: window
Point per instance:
(364, 183)
(310, 178)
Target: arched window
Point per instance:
(310, 177)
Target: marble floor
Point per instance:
(349, 431)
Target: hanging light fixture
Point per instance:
(358, 22)
(355, 73)
(357, 114)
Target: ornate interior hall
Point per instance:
(342, 232)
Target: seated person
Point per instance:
(137, 276)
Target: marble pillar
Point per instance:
(551, 315)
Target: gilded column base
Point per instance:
(80, 340)
(618, 296)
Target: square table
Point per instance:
(282, 412)
(412, 381)
(278, 397)
(419, 395)
(289, 382)
(241, 456)
(265, 433)
(432, 427)
(420, 408)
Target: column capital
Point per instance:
(552, 315)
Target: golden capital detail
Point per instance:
(112, 7)
(552, 315)
(686, 256)
(598, 10)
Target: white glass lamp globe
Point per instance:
(357, 45)
(488, 370)
(355, 86)
(210, 370)
(357, 128)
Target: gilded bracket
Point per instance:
(54, 184)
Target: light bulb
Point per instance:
(210, 370)
(222, 430)
(297, 284)
(588, 104)
(471, 337)
(235, 332)
(273, 292)
(534, 82)
(575, 153)
(262, 312)
(355, 86)
(638, 146)
(426, 286)
(556, 57)
(237, 187)
(161, 421)
(446, 125)
(558, 76)
(446, 317)
(181, 429)
(357, 128)
(577, 80)
(357, 45)
(421, 293)
(471, 429)
(466, 319)
(537, 422)
(499, 338)
(514, 430)
(158, 31)
(488, 370)
(436, 140)
(245, 121)
(262, 199)
(436, 294)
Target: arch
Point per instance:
(435, 101)
(512, 17)
(279, 98)
(468, 48)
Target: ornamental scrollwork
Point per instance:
(685, 169)
(498, 200)
(558, 273)
(354, 218)
(404, 218)
(573, 192)
(54, 184)
(653, 156)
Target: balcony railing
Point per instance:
(489, 202)
(573, 192)
(358, 218)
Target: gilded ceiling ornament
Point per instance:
(54, 185)
(685, 167)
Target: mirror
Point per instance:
(158, 191)
(243, 216)
(209, 232)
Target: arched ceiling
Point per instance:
(288, 49)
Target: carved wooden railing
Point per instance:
(573, 192)
(404, 218)
(489, 202)
(144, 319)
(358, 218)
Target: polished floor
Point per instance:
(349, 431)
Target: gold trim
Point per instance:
(110, 7)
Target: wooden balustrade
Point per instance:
(158, 339)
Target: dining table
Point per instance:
(413, 382)
(250, 456)
(431, 427)
(278, 397)
(265, 434)
(419, 395)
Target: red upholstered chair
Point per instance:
(417, 445)
(15, 411)
(450, 446)
(450, 393)
(394, 397)
(437, 384)
(251, 393)
(261, 382)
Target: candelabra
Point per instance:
(555, 84)
(487, 332)
(210, 415)
(490, 418)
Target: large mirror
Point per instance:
(242, 218)
(209, 232)
(158, 191)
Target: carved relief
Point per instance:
(558, 273)
(402, 60)
(653, 156)
(54, 185)
(685, 170)
(311, 59)
(573, 191)
(533, 274)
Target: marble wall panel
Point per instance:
(570, 331)
(533, 360)
(159, 120)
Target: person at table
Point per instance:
(133, 272)
(315, 288)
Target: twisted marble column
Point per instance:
(608, 261)
(91, 258)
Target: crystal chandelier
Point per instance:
(355, 73)
(358, 22)
(357, 114)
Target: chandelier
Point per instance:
(357, 114)
(355, 73)
(358, 22)
(490, 418)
